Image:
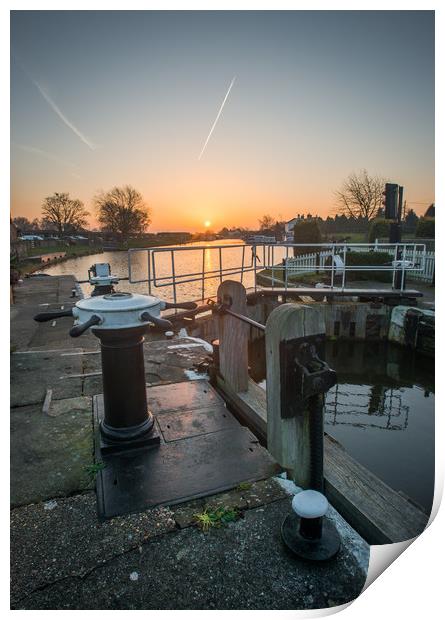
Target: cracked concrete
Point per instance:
(64, 539)
(50, 453)
(242, 566)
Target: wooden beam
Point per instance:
(249, 405)
(233, 336)
(288, 439)
(377, 512)
(329, 293)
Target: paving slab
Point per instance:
(40, 295)
(23, 327)
(241, 566)
(162, 363)
(33, 373)
(50, 453)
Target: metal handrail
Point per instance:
(263, 257)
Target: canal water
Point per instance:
(381, 411)
(191, 261)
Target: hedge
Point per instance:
(425, 228)
(379, 230)
(306, 231)
(366, 258)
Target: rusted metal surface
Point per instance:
(203, 451)
(194, 423)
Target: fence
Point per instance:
(413, 253)
(426, 274)
(271, 263)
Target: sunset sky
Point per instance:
(108, 98)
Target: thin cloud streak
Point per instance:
(36, 151)
(62, 116)
(217, 117)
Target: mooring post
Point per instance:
(294, 422)
(233, 336)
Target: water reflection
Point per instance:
(366, 406)
(381, 388)
(186, 262)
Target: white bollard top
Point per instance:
(169, 335)
(310, 504)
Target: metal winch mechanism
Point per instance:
(99, 276)
(120, 321)
(305, 378)
(304, 375)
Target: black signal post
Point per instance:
(393, 203)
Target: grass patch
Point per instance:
(70, 250)
(216, 518)
(351, 237)
(27, 265)
(244, 486)
(93, 469)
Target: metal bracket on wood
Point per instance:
(303, 373)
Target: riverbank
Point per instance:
(28, 265)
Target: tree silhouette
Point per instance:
(64, 213)
(22, 224)
(122, 210)
(360, 195)
(266, 222)
(430, 212)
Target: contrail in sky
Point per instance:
(35, 151)
(62, 116)
(217, 117)
(54, 106)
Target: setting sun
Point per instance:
(207, 223)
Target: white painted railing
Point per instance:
(173, 266)
(305, 263)
(424, 274)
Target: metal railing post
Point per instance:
(402, 283)
(254, 266)
(203, 279)
(242, 266)
(394, 269)
(173, 275)
(149, 271)
(343, 281)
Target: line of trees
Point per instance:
(121, 211)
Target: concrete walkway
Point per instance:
(63, 558)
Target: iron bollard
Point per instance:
(306, 532)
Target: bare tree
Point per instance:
(431, 211)
(64, 212)
(266, 222)
(36, 224)
(360, 195)
(122, 210)
(22, 224)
